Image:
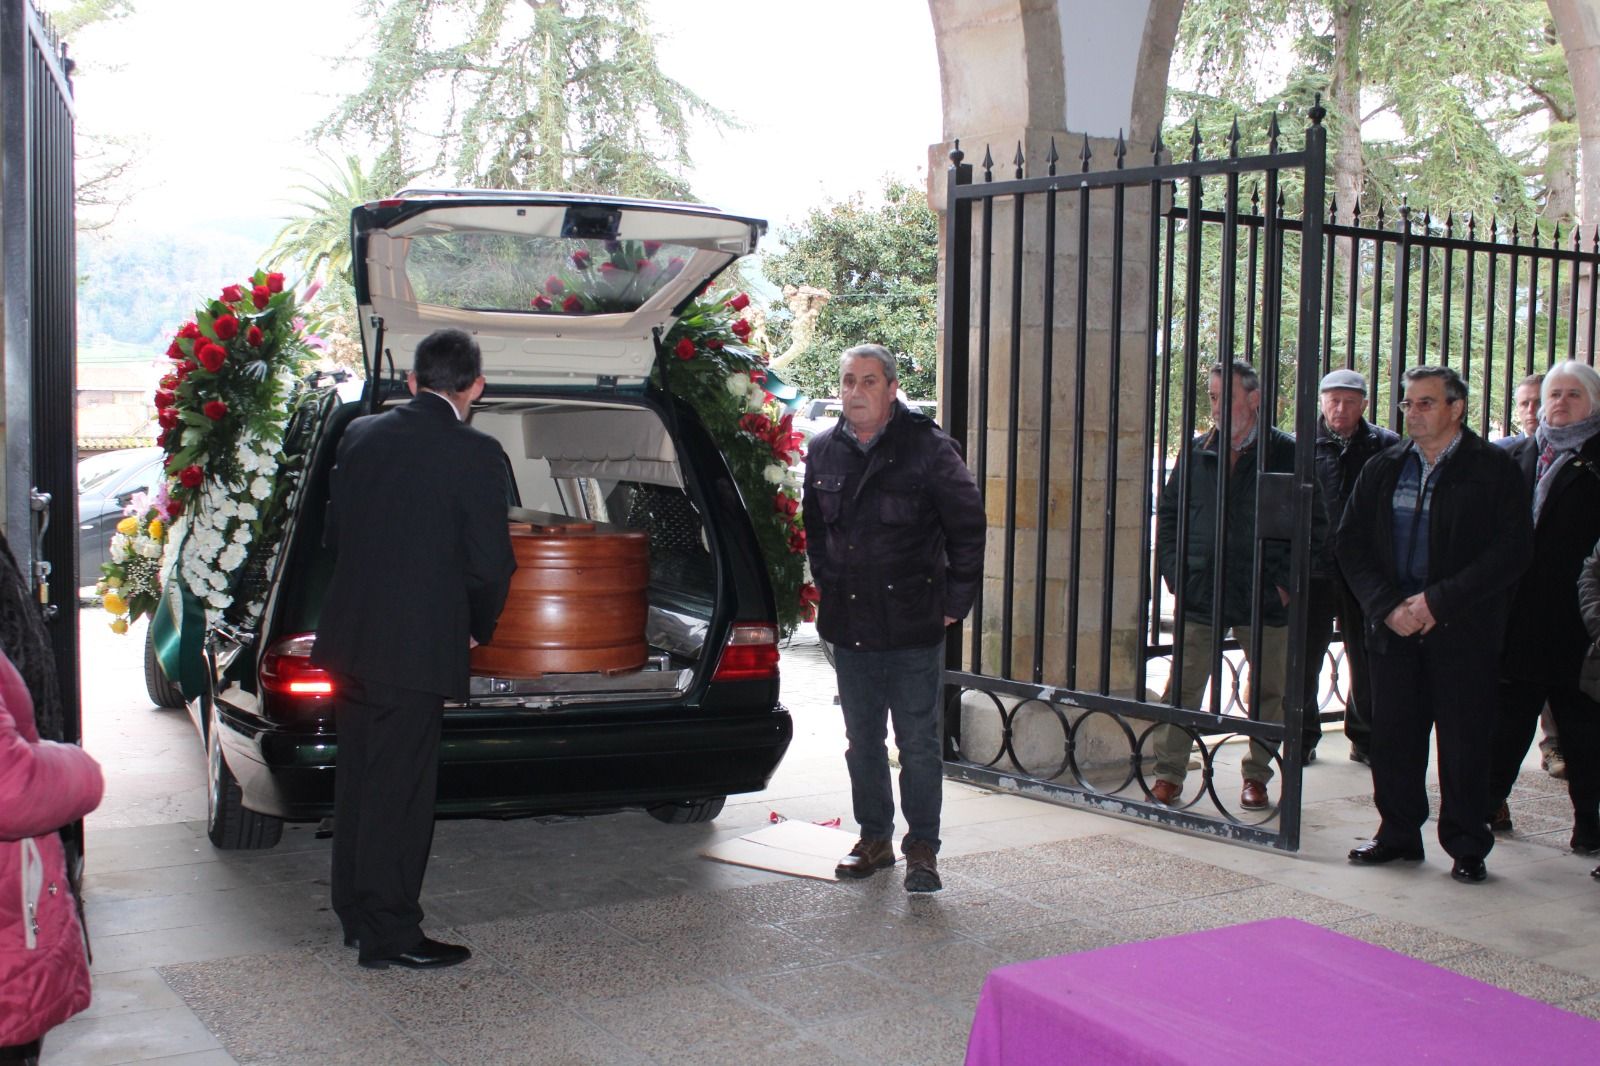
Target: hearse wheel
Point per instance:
(162, 690)
(688, 811)
(229, 825)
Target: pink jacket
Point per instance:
(44, 974)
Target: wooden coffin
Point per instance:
(577, 603)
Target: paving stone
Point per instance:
(934, 1033)
(832, 990)
(677, 1017)
(1418, 941)
(1523, 976)
(548, 1035)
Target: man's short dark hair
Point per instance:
(447, 360)
(1243, 373)
(1454, 387)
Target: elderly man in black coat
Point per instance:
(417, 517)
(1345, 442)
(894, 531)
(1432, 543)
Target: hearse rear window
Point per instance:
(538, 274)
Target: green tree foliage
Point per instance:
(70, 16)
(1475, 108)
(521, 94)
(315, 243)
(1460, 80)
(879, 263)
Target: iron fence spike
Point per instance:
(1122, 148)
(1273, 133)
(1194, 142)
(1018, 160)
(988, 164)
(1233, 139)
(1052, 157)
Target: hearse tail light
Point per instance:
(751, 654)
(286, 670)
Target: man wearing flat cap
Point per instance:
(1345, 441)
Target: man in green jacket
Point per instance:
(1193, 570)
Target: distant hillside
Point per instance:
(136, 288)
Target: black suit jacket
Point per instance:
(417, 518)
(1480, 535)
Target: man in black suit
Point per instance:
(417, 518)
(1433, 541)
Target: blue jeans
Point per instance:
(875, 686)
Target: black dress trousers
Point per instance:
(1420, 687)
(385, 786)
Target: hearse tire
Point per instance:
(229, 824)
(689, 811)
(163, 691)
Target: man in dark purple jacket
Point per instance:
(894, 531)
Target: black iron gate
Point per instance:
(1050, 689)
(38, 283)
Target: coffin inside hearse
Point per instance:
(614, 588)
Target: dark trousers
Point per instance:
(1331, 598)
(386, 781)
(874, 687)
(1417, 688)
(1577, 724)
(21, 1054)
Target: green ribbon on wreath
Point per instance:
(177, 632)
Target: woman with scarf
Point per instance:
(1546, 642)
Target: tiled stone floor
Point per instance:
(607, 940)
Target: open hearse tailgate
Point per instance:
(558, 289)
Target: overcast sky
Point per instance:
(835, 95)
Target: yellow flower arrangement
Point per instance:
(130, 582)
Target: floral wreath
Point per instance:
(222, 409)
(725, 380)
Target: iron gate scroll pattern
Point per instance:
(1038, 702)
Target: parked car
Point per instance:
(107, 483)
(588, 437)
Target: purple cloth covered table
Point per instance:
(1261, 994)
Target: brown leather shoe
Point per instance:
(1165, 792)
(1253, 797)
(922, 868)
(866, 859)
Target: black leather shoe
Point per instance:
(1470, 871)
(1360, 755)
(350, 941)
(1376, 853)
(428, 955)
(1595, 873)
(1500, 820)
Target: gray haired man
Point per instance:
(894, 531)
(1345, 441)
